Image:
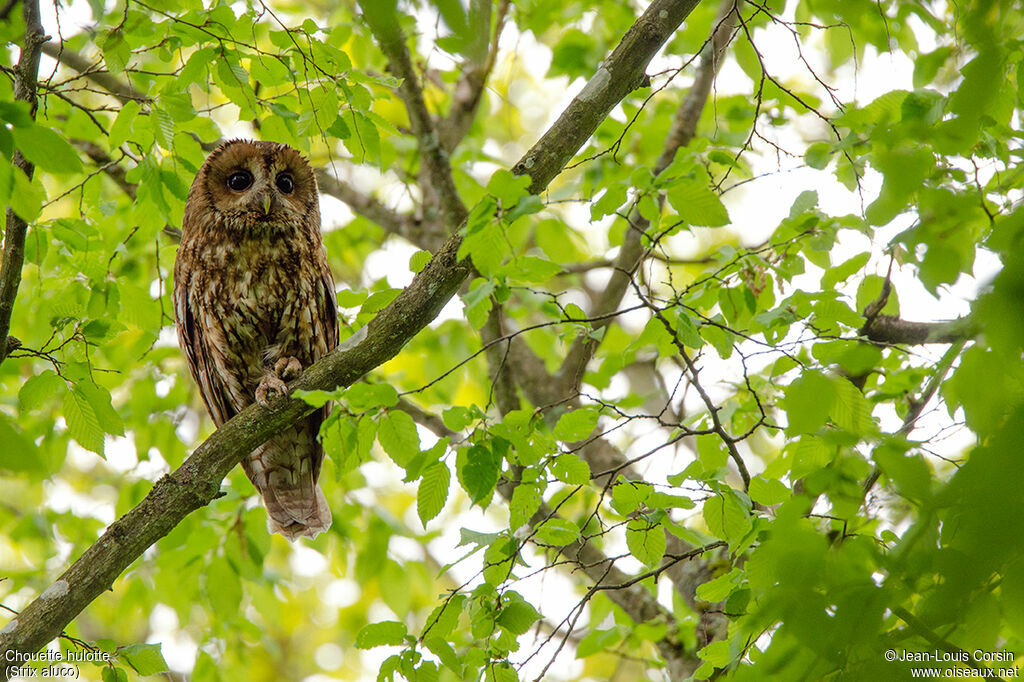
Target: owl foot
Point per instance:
(288, 368)
(272, 385)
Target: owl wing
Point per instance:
(197, 352)
(327, 310)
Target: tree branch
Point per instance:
(381, 18)
(890, 329)
(26, 72)
(197, 481)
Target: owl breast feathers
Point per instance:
(255, 304)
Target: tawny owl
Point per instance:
(255, 303)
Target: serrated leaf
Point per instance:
(433, 491)
(361, 397)
(768, 491)
(646, 541)
(397, 434)
(717, 589)
(569, 468)
(146, 659)
(384, 633)
(576, 425)
(558, 532)
(525, 502)
(480, 472)
(83, 424)
(38, 389)
(99, 400)
(697, 204)
(627, 496)
(727, 517)
(518, 615)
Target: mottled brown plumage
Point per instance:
(255, 304)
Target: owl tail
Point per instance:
(295, 510)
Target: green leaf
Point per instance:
(526, 500)
(768, 491)
(47, 149)
(727, 516)
(433, 491)
(517, 615)
(223, 587)
(361, 397)
(717, 589)
(122, 126)
(571, 469)
(384, 633)
(486, 245)
(17, 453)
(27, 197)
(646, 541)
(809, 401)
(697, 204)
(480, 471)
(114, 674)
(419, 260)
(38, 389)
(83, 424)
(507, 188)
(558, 532)
(627, 496)
(146, 659)
(576, 425)
(99, 399)
(397, 434)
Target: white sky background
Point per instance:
(755, 209)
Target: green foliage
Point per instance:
(736, 475)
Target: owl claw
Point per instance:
(270, 386)
(288, 368)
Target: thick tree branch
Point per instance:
(197, 481)
(890, 329)
(26, 72)
(381, 18)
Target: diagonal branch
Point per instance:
(26, 72)
(197, 481)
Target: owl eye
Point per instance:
(285, 183)
(240, 180)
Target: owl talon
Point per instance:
(288, 368)
(270, 387)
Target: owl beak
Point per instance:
(266, 204)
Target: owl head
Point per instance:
(255, 185)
